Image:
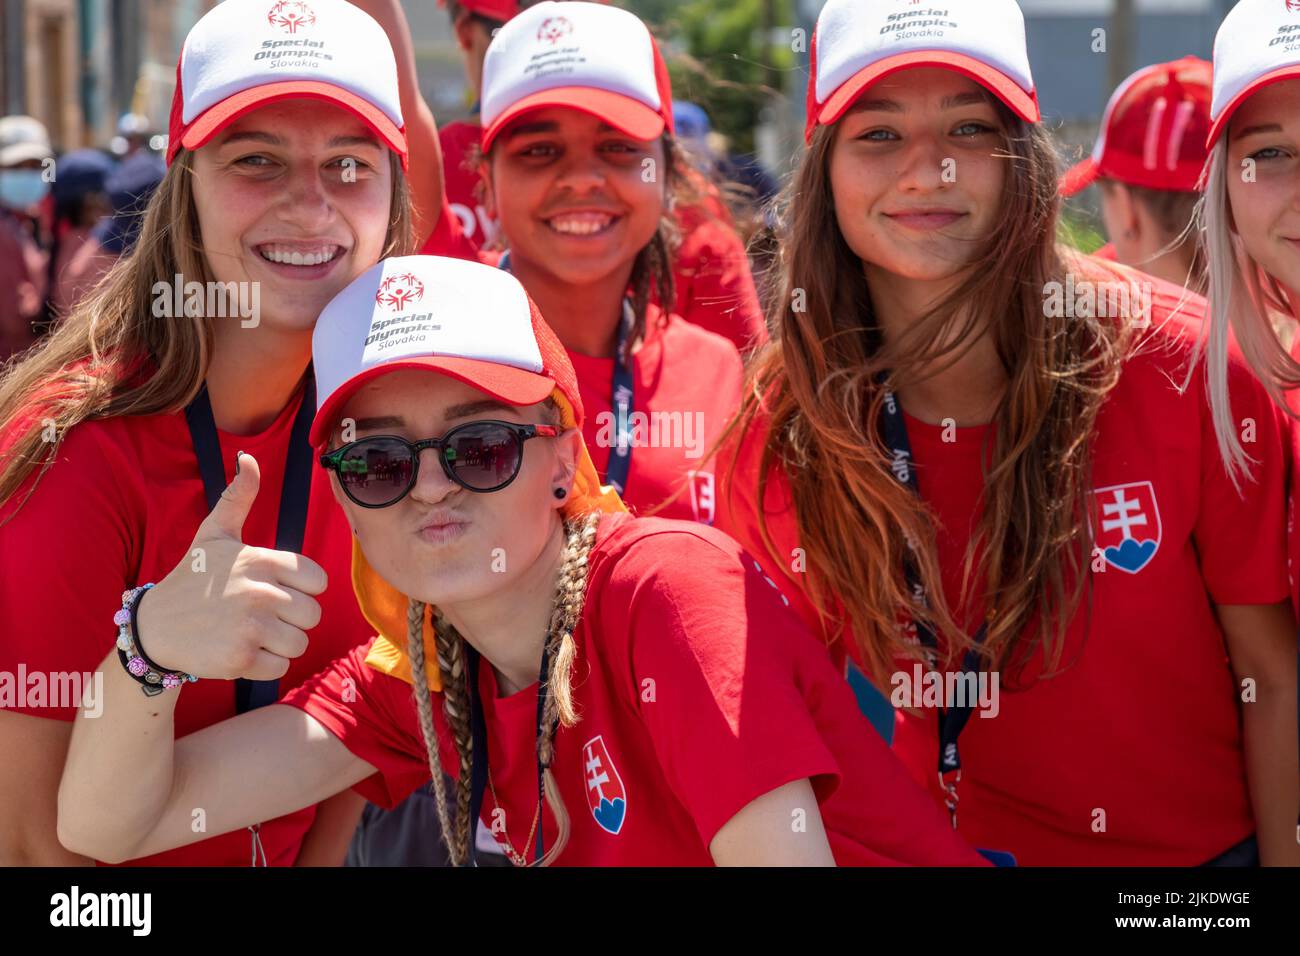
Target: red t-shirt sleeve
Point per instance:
(374, 716)
(448, 238)
(1241, 535)
(728, 719)
(66, 555)
(716, 286)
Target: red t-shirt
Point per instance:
(1144, 725)
(686, 387)
(119, 508)
(698, 692)
(458, 141)
(715, 288)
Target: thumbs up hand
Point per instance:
(240, 612)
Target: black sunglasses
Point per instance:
(480, 456)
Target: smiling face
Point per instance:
(916, 185)
(1266, 212)
(295, 196)
(574, 196)
(439, 543)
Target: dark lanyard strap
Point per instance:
(291, 524)
(951, 719)
(479, 756)
(622, 391)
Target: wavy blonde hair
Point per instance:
(1243, 298)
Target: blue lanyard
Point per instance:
(952, 720)
(479, 752)
(291, 523)
(622, 393)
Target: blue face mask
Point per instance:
(22, 188)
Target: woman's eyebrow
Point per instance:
(379, 421)
(876, 106)
(466, 409)
(975, 98)
(881, 105)
(254, 135)
(1257, 129)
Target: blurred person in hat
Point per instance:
(25, 177)
(1148, 161)
(81, 200)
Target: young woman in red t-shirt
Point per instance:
(605, 689)
(966, 452)
(582, 172)
(284, 183)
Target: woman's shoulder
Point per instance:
(688, 337)
(658, 545)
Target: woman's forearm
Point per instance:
(1273, 773)
(118, 774)
(326, 843)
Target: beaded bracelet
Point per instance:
(151, 678)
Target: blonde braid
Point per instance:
(571, 593)
(415, 611)
(450, 647)
(571, 589)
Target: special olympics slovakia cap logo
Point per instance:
(290, 15)
(399, 291)
(554, 29)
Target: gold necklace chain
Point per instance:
(518, 859)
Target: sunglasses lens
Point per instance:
(483, 455)
(377, 471)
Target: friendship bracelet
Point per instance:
(152, 679)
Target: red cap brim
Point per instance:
(622, 112)
(1079, 177)
(214, 120)
(1268, 79)
(1024, 105)
(505, 383)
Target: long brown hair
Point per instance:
(561, 650)
(112, 356)
(817, 382)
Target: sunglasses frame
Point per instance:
(330, 461)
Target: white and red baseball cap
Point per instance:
(856, 43)
(585, 56)
(244, 54)
(469, 321)
(1258, 44)
(1153, 131)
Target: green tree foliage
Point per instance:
(720, 55)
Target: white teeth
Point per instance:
(296, 257)
(581, 224)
